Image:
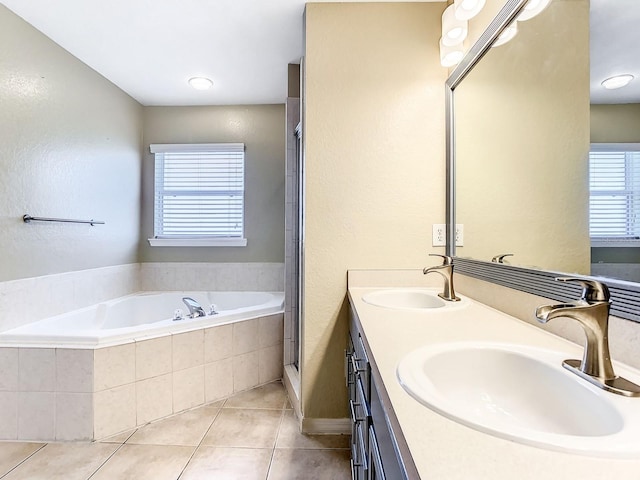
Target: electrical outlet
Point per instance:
(459, 235)
(439, 235)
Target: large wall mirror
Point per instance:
(522, 118)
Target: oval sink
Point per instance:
(520, 393)
(404, 298)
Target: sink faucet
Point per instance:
(446, 271)
(592, 312)
(195, 310)
(500, 258)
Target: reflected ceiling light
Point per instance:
(454, 31)
(532, 8)
(450, 55)
(618, 81)
(200, 83)
(506, 35)
(467, 9)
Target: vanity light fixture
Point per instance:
(618, 81)
(507, 34)
(467, 9)
(200, 83)
(450, 55)
(532, 8)
(454, 30)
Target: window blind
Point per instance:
(614, 195)
(199, 191)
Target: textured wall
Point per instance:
(69, 147)
(615, 123)
(261, 129)
(374, 153)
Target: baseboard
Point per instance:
(326, 426)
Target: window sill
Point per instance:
(614, 243)
(198, 242)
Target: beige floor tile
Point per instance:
(249, 428)
(64, 461)
(119, 438)
(142, 462)
(186, 428)
(289, 436)
(228, 463)
(272, 395)
(288, 464)
(11, 454)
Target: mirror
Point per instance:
(523, 123)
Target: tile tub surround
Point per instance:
(28, 300)
(49, 394)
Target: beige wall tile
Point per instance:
(74, 416)
(154, 398)
(37, 370)
(245, 336)
(8, 416)
(114, 410)
(271, 363)
(114, 366)
(188, 388)
(9, 369)
(36, 415)
(246, 371)
(74, 370)
(153, 357)
(218, 379)
(188, 349)
(218, 343)
(271, 330)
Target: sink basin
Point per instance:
(419, 299)
(522, 394)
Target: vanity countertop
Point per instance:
(442, 448)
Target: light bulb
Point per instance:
(454, 30)
(467, 9)
(532, 8)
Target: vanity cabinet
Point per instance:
(374, 450)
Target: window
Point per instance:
(614, 193)
(199, 195)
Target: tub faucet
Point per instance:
(592, 312)
(195, 310)
(446, 271)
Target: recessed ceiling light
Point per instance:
(200, 83)
(618, 81)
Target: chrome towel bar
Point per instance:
(28, 218)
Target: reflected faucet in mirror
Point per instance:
(446, 271)
(592, 312)
(500, 258)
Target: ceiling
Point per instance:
(150, 48)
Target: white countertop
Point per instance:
(442, 448)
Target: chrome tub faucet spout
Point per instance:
(446, 271)
(195, 310)
(592, 312)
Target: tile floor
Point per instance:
(251, 435)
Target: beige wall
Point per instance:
(615, 123)
(522, 142)
(261, 129)
(70, 148)
(374, 153)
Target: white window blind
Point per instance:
(199, 191)
(614, 195)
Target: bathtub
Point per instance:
(141, 315)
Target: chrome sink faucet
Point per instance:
(195, 310)
(446, 271)
(592, 312)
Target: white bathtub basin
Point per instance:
(522, 394)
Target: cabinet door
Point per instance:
(376, 472)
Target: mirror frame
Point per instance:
(625, 296)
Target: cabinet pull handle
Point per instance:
(354, 415)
